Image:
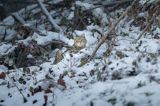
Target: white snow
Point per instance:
(50, 37)
(128, 75)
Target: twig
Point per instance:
(24, 98)
(110, 3)
(45, 11)
(103, 39)
(7, 25)
(148, 25)
(114, 2)
(22, 21)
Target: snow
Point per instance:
(4, 49)
(3, 68)
(9, 20)
(129, 75)
(150, 45)
(49, 16)
(84, 5)
(71, 15)
(50, 37)
(99, 13)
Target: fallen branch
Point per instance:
(22, 21)
(103, 39)
(148, 24)
(47, 14)
(111, 3)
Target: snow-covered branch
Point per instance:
(103, 39)
(45, 11)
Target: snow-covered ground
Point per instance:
(128, 75)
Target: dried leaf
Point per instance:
(48, 91)
(2, 75)
(61, 81)
(58, 57)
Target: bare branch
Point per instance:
(20, 19)
(45, 11)
(111, 3)
(148, 25)
(103, 39)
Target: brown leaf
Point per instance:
(120, 54)
(61, 81)
(48, 91)
(2, 75)
(36, 90)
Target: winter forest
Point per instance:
(79, 52)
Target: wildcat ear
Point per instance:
(80, 42)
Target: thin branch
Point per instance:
(45, 11)
(22, 21)
(110, 4)
(103, 39)
(148, 25)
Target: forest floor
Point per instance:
(44, 67)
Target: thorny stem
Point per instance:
(103, 39)
(148, 25)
